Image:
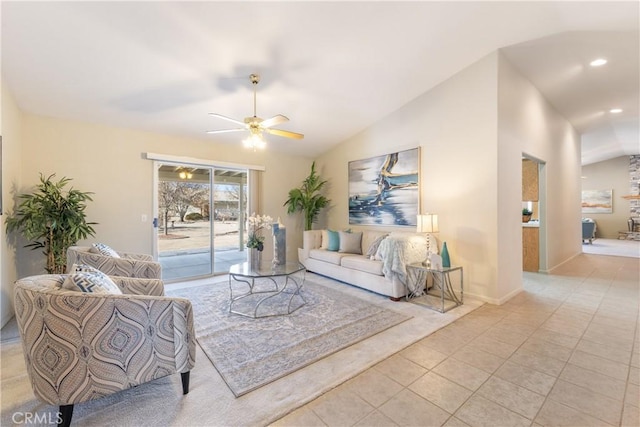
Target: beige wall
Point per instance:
(613, 175)
(472, 130)
(455, 126)
(529, 124)
(110, 162)
(11, 131)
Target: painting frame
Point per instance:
(597, 201)
(384, 190)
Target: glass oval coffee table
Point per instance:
(266, 290)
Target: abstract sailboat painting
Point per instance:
(385, 190)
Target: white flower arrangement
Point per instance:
(255, 223)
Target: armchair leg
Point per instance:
(66, 412)
(185, 382)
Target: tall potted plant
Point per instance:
(52, 218)
(307, 198)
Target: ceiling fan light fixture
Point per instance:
(256, 125)
(184, 174)
(255, 142)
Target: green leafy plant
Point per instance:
(307, 198)
(53, 219)
(526, 212)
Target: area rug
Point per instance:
(210, 402)
(249, 353)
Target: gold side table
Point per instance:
(439, 290)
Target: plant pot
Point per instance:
(254, 258)
(526, 218)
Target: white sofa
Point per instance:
(385, 274)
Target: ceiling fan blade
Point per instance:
(285, 133)
(273, 121)
(227, 130)
(220, 116)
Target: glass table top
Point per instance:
(266, 269)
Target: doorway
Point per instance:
(534, 226)
(200, 210)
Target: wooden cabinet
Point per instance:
(529, 180)
(530, 249)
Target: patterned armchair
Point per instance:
(128, 265)
(82, 346)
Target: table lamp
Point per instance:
(427, 223)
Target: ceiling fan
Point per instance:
(255, 125)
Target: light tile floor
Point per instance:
(565, 352)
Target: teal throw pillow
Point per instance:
(334, 240)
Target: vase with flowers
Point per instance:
(255, 240)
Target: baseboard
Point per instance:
(550, 271)
(494, 301)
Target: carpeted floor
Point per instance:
(612, 247)
(249, 353)
(210, 402)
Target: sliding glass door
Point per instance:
(200, 212)
(230, 210)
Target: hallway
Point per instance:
(565, 352)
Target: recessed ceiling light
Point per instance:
(615, 110)
(598, 62)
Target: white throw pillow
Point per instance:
(84, 278)
(324, 242)
(102, 249)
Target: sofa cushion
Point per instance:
(331, 257)
(362, 263)
(334, 240)
(350, 242)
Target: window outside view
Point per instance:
(186, 221)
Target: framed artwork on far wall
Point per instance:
(597, 201)
(385, 190)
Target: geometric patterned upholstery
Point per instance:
(128, 265)
(82, 346)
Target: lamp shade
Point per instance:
(427, 223)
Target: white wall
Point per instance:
(612, 174)
(529, 124)
(11, 131)
(455, 124)
(473, 129)
(109, 162)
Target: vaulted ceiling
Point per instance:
(333, 68)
